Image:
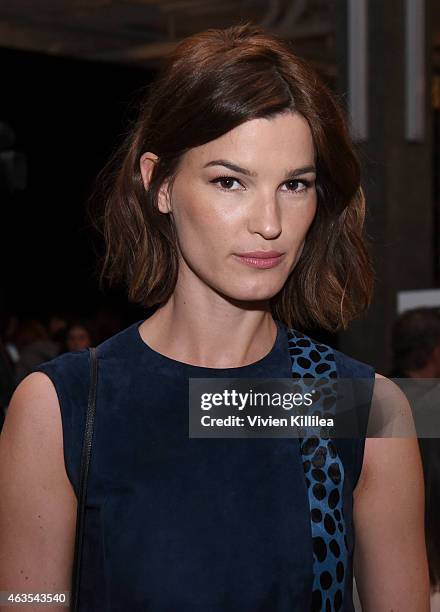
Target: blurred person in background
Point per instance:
(7, 381)
(415, 343)
(7, 376)
(34, 346)
(56, 326)
(9, 327)
(78, 336)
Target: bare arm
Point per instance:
(390, 561)
(37, 501)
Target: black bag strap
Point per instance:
(85, 462)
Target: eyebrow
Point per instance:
(235, 168)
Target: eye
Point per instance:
(298, 185)
(225, 182)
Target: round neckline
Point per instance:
(169, 361)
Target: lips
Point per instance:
(260, 254)
(261, 259)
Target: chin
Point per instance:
(262, 292)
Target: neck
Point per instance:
(213, 333)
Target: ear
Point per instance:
(147, 162)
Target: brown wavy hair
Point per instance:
(212, 82)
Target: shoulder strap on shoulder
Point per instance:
(85, 462)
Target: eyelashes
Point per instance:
(306, 184)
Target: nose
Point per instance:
(265, 217)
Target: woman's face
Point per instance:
(252, 189)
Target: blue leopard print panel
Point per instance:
(324, 474)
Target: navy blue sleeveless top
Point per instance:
(179, 524)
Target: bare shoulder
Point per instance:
(391, 433)
(37, 501)
(390, 563)
(33, 417)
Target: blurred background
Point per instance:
(73, 73)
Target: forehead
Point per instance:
(284, 138)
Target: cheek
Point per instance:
(298, 226)
(201, 223)
(299, 220)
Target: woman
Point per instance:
(235, 208)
